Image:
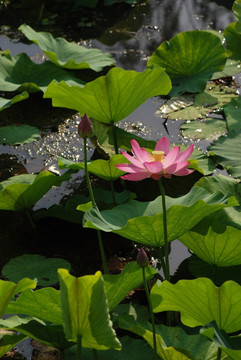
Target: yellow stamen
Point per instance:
(158, 155)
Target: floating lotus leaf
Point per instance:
(190, 58)
(107, 99)
(209, 129)
(6, 103)
(231, 68)
(39, 268)
(22, 134)
(200, 302)
(85, 311)
(232, 112)
(143, 221)
(214, 97)
(20, 73)
(227, 152)
(66, 54)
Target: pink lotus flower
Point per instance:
(162, 162)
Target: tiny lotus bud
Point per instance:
(85, 129)
(142, 258)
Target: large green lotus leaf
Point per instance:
(228, 216)
(172, 342)
(209, 129)
(105, 169)
(85, 311)
(232, 112)
(107, 99)
(22, 134)
(201, 162)
(190, 58)
(186, 107)
(68, 54)
(200, 302)
(20, 73)
(5, 103)
(134, 349)
(118, 286)
(39, 268)
(9, 340)
(221, 247)
(232, 34)
(9, 289)
(48, 334)
(45, 303)
(143, 221)
(227, 152)
(23, 191)
(218, 275)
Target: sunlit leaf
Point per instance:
(200, 301)
(232, 34)
(190, 58)
(9, 289)
(105, 169)
(68, 54)
(85, 311)
(22, 134)
(231, 68)
(44, 303)
(39, 268)
(107, 99)
(118, 286)
(22, 74)
(143, 221)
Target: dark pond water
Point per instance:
(130, 34)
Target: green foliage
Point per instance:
(8, 340)
(200, 302)
(85, 311)
(190, 58)
(107, 99)
(21, 192)
(6, 103)
(143, 221)
(39, 268)
(22, 134)
(66, 54)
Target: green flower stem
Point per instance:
(167, 270)
(115, 138)
(102, 251)
(113, 192)
(30, 219)
(160, 255)
(151, 312)
(79, 348)
(95, 355)
(219, 354)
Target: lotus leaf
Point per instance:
(85, 311)
(232, 112)
(66, 54)
(200, 302)
(19, 73)
(9, 340)
(209, 129)
(21, 192)
(22, 134)
(172, 342)
(5, 103)
(111, 98)
(190, 58)
(143, 221)
(232, 34)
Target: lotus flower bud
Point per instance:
(85, 129)
(142, 258)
